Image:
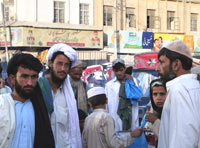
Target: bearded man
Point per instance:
(24, 120)
(79, 87)
(180, 122)
(59, 96)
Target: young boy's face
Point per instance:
(159, 95)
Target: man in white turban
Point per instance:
(59, 97)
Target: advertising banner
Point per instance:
(189, 41)
(131, 39)
(46, 37)
(161, 39)
(147, 40)
(196, 43)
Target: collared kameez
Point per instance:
(180, 124)
(99, 132)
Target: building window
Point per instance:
(193, 23)
(107, 16)
(59, 11)
(150, 18)
(130, 17)
(84, 14)
(170, 20)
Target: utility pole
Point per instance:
(4, 29)
(115, 31)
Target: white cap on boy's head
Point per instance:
(95, 91)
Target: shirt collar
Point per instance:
(16, 101)
(100, 109)
(177, 79)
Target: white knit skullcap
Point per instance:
(179, 47)
(95, 91)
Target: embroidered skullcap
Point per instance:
(80, 64)
(179, 47)
(67, 50)
(95, 91)
(117, 61)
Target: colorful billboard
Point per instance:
(161, 39)
(189, 41)
(46, 37)
(126, 39)
(147, 40)
(196, 43)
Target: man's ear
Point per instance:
(176, 65)
(11, 77)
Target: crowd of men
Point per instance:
(49, 111)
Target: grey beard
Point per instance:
(75, 84)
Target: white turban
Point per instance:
(68, 51)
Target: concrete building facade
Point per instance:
(52, 21)
(157, 16)
(43, 11)
(157, 9)
(98, 17)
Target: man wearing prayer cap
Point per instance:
(126, 117)
(99, 129)
(59, 96)
(180, 120)
(79, 88)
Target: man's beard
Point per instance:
(121, 78)
(56, 79)
(23, 93)
(167, 76)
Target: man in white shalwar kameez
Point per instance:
(64, 118)
(180, 121)
(112, 92)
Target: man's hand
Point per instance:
(137, 132)
(2, 83)
(151, 117)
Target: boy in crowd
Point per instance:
(99, 128)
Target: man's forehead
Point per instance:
(77, 69)
(119, 69)
(59, 56)
(24, 69)
(163, 57)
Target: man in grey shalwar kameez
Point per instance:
(99, 128)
